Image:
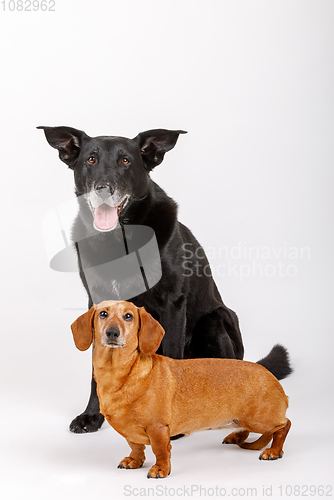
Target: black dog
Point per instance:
(115, 191)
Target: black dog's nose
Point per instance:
(112, 333)
(104, 190)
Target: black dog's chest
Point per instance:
(120, 265)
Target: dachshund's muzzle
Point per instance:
(112, 333)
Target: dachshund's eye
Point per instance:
(92, 159)
(103, 314)
(125, 162)
(128, 317)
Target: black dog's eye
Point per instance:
(103, 314)
(128, 317)
(92, 159)
(125, 161)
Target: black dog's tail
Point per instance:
(277, 362)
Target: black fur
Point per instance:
(277, 362)
(185, 301)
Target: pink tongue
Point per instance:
(105, 216)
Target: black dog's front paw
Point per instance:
(86, 423)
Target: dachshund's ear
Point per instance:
(82, 330)
(150, 333)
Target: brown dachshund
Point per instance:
(148, 398)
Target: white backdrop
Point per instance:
(252, 83)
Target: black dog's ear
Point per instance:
(154, 144)
(67, 140)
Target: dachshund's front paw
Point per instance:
(271, 454)
(158, 471)
(86, 423)
(130, 463)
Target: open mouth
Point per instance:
(106, 216)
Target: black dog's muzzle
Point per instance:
(104, 190)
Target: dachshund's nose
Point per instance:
(112, 333)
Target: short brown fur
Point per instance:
(148, 398)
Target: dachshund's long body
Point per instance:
(148, 398)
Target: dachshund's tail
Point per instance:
(277, 362)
